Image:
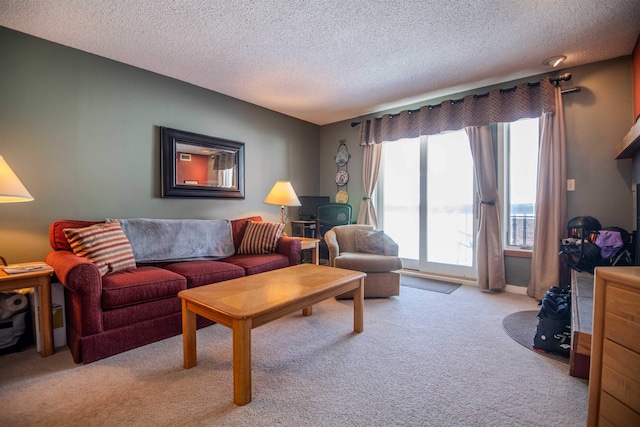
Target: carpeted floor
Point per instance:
(428, 284)
(521, 326)
(423, 359)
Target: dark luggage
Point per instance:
(553, 334)
(582, 250)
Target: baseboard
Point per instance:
(441, 277)
(521, 290)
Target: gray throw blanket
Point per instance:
(168, 240)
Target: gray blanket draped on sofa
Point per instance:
(168, 240)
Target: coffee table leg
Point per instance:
(241, 361)
(358, 308)
(189, 337)
(307, 311)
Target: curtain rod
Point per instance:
(556, 81)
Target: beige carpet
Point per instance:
(424, 359)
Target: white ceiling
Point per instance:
(329, 60)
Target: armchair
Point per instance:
(328, 216)
(362, 248)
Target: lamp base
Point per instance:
(283, 215)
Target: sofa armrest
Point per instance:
(290, 248)
(84, 284)
(331, 240)
(69, 268)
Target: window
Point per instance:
(427, 200)
(519, 161)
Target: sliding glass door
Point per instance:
(426, 203)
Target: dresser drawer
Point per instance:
(622, 317)
(623, 389)
(614, 413)
(622, 359)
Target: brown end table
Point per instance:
(41, 280)
(310, 243)
(248, 302)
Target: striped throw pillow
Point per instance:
(103, 244)
(260, 238)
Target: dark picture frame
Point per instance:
(215, 168)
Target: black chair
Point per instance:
(327, 217)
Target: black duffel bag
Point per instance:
(553, 334)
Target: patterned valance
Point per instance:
(525, 100)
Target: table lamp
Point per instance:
(282, 194)
(11, 189)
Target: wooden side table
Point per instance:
(313, 244)
(40, 279)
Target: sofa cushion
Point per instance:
(200, 273)
(238, 228)
(103, 244)
(369, 263)
(371, 242)
(254, 264)
(260, 238)
(345, 234)
(125, 316)
(140, 285)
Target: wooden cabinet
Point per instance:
(614, 383)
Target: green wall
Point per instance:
(597, 118)
(81, 132)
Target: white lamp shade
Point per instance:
(282, 194)
(11, 189)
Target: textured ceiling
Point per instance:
(329, 60)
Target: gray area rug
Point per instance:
(521, 326)
(428, 284)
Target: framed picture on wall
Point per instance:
(214, 169)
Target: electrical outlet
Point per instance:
(571, 185)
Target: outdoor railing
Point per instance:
(521, 230)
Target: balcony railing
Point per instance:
(521, 229)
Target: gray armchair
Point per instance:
(380, 260)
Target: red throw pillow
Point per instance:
(260, 238)
(104, 244)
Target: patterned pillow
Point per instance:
(260, 238)
(371, 242)
(104, 244)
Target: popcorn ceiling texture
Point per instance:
(331, 60)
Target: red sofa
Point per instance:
(126, 309)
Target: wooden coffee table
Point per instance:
(248, 302)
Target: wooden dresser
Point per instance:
(614, 376)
